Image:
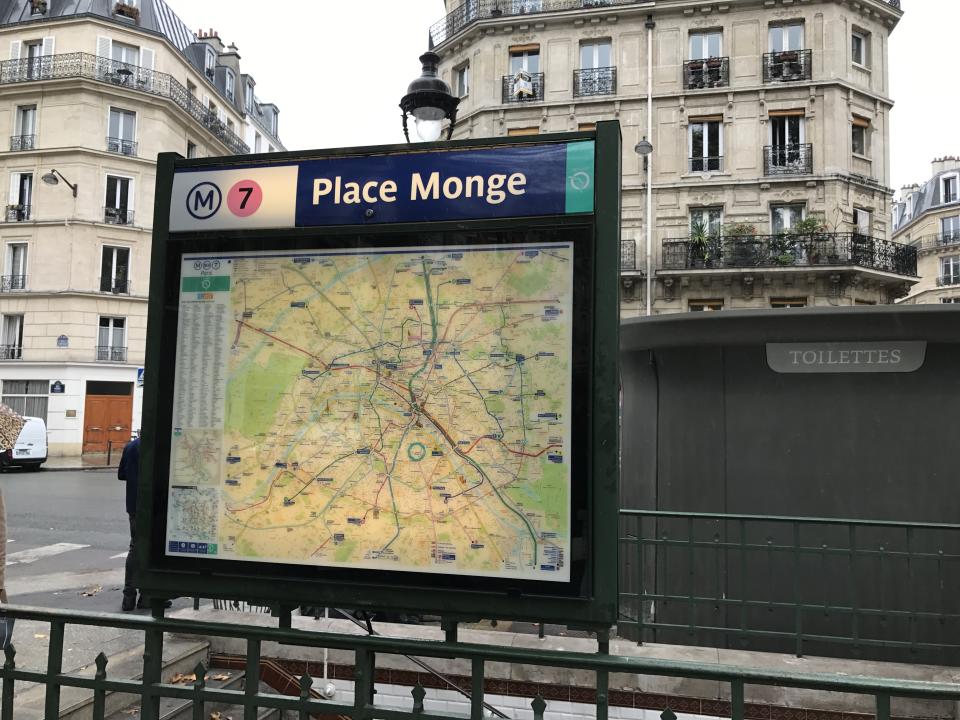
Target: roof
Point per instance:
(922, 200)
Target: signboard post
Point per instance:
(387, 378)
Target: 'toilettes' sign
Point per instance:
(518, 181)
(846, 357)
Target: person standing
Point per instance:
(129, 471)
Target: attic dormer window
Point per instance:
(38, 7)
(211, 62)
(231, 85)
(948, 189)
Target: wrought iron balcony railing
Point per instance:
(125, 75)
(117, 286)
(706, 164)
(708, 73)
(117, 216)
(788, 159)
(12, 283)
(11, 352)
(470, 11)
(18, 213)
(513, 92)
(121, 146)
(107, 353)
(948, 238)
(595, 81)
(788, 250)
(787, 66)
(23, 142)
(948, 280)
(628, 255)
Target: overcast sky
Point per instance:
(337, 70)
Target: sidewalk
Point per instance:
(90, 461)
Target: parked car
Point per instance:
(30, 450)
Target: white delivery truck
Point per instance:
(30, 449)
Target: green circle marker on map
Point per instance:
(416, 451)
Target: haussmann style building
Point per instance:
(92, 91)
(770, 133)
(928, 218)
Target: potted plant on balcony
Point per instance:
(38, 7)
(742, 239)
(807, 236)
(699, 244)
(125, 10)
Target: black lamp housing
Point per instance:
(429, 92)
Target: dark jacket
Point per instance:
(129, 470)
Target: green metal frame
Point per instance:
(593, 607)
(151, 688)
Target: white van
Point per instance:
(30, 451)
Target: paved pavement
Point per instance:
(90, 461)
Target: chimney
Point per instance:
(947, 162)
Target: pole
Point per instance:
(649, 166)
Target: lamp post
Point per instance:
(644, 149)
(430, 101)
(54, 177)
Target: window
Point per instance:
(231, 85)
(859, 135)
(950, 229)
(12, 340)
(859, 48)
(191, 149)
(863, 221)
(462, 80)
(111, 340)
(950, 300)
(787, 37)
(27, 397)
(710, 219)
(122, 132)
(128, 54)
(706, 305)
(15, 270)
(524, 131)
(26, 128)
(115, 270)
(595, 54)
(706, 144)
(788, 302)
(948, 189)
(950, 270)
(210, 62)
(248, 99)
(191, 89)
(705, 45)
(526, 58)
(118, 206)
(596, 75)
(21, 197)
(257, 142)
(34, 55)
(784, 217)
(787, 133)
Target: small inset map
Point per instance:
(196, 456)
(193, 515)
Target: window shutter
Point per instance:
(146, 58)
(14, 188)
(860, 122)
(131, 194)
(786, 113)
(48, 43)
(15, 50)
(104, 46)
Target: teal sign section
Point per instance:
(579, 187)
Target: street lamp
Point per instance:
(54, 177)
(430, 101)
(644, 149)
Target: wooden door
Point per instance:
(106, 418)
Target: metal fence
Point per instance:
(808, 585)
(150, 688)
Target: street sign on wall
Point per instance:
(372, 386)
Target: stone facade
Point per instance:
(96, 98)
(741, 135)
(928, 218)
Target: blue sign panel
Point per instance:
(520, 181)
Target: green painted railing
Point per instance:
(150, 689)
(886, 590)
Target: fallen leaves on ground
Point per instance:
(184, 678)
(219, 716)
(219, 676)
(90, 592)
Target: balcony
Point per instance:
(117, 216)
(13, 283)
(788, 159)
(709, 73)
(706, 164)
(948, 280)
(11, 352)
(121, 146)
(515, 91)
(948, 238)
(470, 11)
(595, 81)
(628, 255)
(107, 353)
(125, 75)
(23, 142)
(785, 250)
(787, 66)
(18, 213)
